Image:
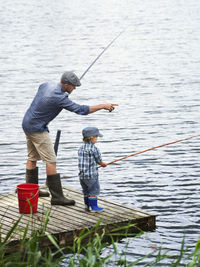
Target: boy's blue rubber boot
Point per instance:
(93, 204)
(87, 205)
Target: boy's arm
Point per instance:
(103, 164)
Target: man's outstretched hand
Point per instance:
(110, 106)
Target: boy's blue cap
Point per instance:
(91, 131)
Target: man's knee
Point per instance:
(51, 168)
(31, 164)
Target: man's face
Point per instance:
(69, 88)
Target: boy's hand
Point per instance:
(103, 164)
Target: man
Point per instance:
(49, 101)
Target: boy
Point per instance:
(89, 157)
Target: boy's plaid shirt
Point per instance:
(89, 157)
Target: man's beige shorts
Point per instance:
(40, 147)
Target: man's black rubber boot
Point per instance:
(32, 178)
(56, 191)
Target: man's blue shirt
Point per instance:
(47, 104)
(88, 158)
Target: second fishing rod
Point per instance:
(144, 151)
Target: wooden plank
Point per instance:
(8, 221)
(37, 219)
(108, 213)
(65, 221)
(109, 202)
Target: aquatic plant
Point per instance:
(95, 247)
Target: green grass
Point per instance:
(82, 253)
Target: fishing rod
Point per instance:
(143, 151)
(100, 54)
(57, 140)
(152, 148)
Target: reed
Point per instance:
(94, 247)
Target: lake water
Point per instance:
(151, 71)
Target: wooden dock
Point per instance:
(65, 222)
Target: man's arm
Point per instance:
(108, 106)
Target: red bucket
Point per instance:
(28, 197)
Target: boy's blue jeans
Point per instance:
(90, 186)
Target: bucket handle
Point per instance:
(29, 198)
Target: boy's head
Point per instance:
(90, 134)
